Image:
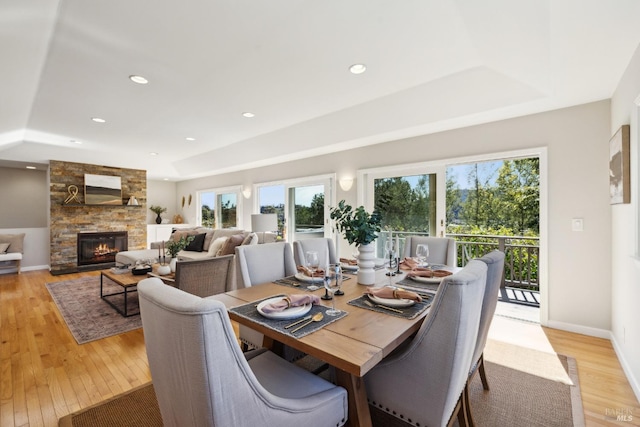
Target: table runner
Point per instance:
(292, 282)
(410, 312)
(249, 311)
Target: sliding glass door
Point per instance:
(302, 206)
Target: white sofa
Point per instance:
(212, 244)
(11, 255)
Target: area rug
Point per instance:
(87, 316)
(516, 398)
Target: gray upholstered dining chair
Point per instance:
(257, 264)
(201, 378)
(324, 246)
(422, 382)
(495, 272)
(442, 250)
(205, 277)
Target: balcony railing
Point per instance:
(521, 255)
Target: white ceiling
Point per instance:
(431, 66)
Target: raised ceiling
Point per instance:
(431, 66)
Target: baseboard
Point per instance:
(23, 269)
(579, 329)
(633, 381)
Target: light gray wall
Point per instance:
(24, 203)
(576, 138)
(625, 277)
(24, 198)
(161, 193)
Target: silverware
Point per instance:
(370, 304)
(299, 321)
(316, 318)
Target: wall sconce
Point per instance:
(346, 183)
(246, 192)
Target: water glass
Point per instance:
(332, 283)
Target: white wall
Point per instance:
(162, 193)
(625, 276)
(576, 138)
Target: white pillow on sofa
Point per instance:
(216, 245)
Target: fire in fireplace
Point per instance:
(100, 248)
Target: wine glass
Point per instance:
(422, 253)
(390, 256)
(332, 282)
(313, 261)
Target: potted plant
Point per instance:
(174, 246)
(157, 210)
(361, 228)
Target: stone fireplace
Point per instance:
(69, 220)
(101, 247)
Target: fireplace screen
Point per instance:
(100, 248)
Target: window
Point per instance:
(220, 208)
(302, 205)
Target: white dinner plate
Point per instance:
(391, 302)
(427, 279)
(287, 313)
(307, 279)
(349, 267)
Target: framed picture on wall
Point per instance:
(102, 190)
(619, 174)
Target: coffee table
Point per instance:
(129, 283)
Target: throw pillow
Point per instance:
(3, 247)
(251, 239)
(216, 245)
(196, 244)
(229, 247)
(15, 241)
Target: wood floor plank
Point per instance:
(45, 374)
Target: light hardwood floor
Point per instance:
(44, 374)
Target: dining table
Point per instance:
(353, 344)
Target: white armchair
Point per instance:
(201, 378)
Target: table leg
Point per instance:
(359, 414)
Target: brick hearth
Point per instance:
(68, 220)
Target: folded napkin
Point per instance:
(408, 263)
(349, 261)
(426, 272)
(307, 271)
(393, 293)
(294, 300)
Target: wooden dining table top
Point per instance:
(354, 343)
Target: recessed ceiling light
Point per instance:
(138, 79)
(166, 179)
(31, 167)
(153, 153)
(98, 120)
(248, 114)
(190, 139)
(76, 142)
(358, 68)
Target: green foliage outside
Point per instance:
(208, 217)
(404, 208)
(228, 214)
(311, 216)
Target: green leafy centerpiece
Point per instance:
(361, 228)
